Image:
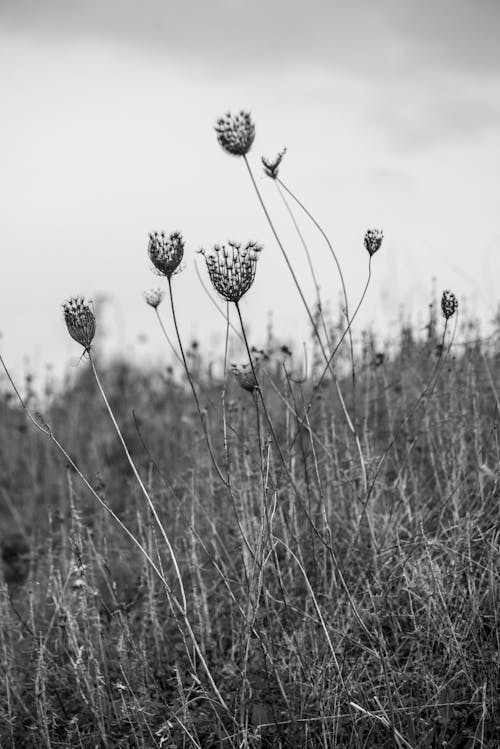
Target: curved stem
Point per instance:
(45, 429)
(285, 256)
(342, 281)
(214, 302)
(337, 346)
(141, 484)
(308, 256)
(193, 389)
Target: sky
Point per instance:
(390, 113)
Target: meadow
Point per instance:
(287, 552)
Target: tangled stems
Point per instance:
(45, 429)
(281, 184)
(285, 256)
(328, 359)
(337, 346)
(428, 388)
(193, 389)
(183, 604)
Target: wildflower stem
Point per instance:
(280, 183)
(141, 484)
(337, 346)
(308, 256)
(183, 606)
(193, 389)
(167, 337)
(285, 256)
(48, 432)
(214, 302)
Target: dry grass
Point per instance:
(319, 621)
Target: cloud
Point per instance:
(387, 37)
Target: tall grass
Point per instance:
(279, 567)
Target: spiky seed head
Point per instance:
(373, 240)
(166, 253)
(154, 297)
(231, 268)
(245, 376)
(235, 133)
(80, 321)
(271, 166)
(449, 304)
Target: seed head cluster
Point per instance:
(80, 321)
(271, 165)
(232, 268)
(245, 377)
(449, 304)
(373, 240)
(166, 253)
(154, 297)
(235, 133)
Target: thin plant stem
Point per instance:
(183, 606)
(193, 389)
(337, 346)
(281, 184)
(328, 360)
(139, 480)
(309, 261)
(45, 429)
(214, 301)
(287, 261)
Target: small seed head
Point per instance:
(166, 253)
(235, 133)
(449, 304)
(154, 297)
(80, 321)
(373, 240)
(245, 376)
(271, 166)
(232, 268)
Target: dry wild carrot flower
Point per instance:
(245, 376)
(80, 320)
(232, 268)
(166, 253)
(154, 297)
(373, 240)
(271, 167)
(449, 304)
(235, 133)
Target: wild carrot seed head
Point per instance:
(154, 297)
(373, 240)
(232, 268)
(235, 133)
(271, 166)
(449, 304)
(166, 253)
(80, 321)
(245, 376)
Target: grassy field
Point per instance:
(295, 557)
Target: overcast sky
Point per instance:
(390, 112)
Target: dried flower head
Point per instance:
(232, 268)
(245, 376)
(154, 297)
(80, 321)
(373, 240)
(235, 133)
(449, 304)
(271, 167)
(166, 253)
